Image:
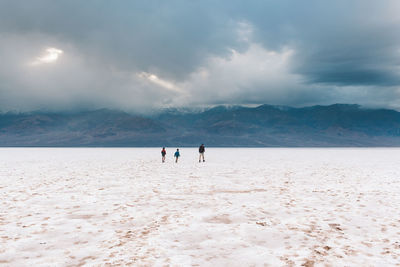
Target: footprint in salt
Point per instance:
(335, 226)
(286, 259)
(287, 245)
(223, 218)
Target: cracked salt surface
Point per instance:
(242, 207)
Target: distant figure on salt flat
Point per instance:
(163, 153)
(177, 155)
(201, 151)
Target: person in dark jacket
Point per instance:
(163, 153)
(201, 152)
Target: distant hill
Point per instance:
(266, 125)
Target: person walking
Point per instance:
(201, 152)
(163, 153)
(177, 155)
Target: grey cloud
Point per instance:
(343, 43)
(342, 51)
(170, 37)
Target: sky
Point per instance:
(146, 55)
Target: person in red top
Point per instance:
(163, 153)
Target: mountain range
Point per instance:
(221, 126)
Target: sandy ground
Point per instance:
(243, 207)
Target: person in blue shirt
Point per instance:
(177, 155)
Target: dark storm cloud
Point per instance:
(170, 36)
(339, 43)
(144, 54)
(354, 76)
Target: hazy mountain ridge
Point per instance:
(265, 125)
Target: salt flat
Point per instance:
(243, 207)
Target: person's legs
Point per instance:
(201, 157)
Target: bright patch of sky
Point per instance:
(158, 81)
(50, 55)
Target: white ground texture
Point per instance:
(242, 207)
